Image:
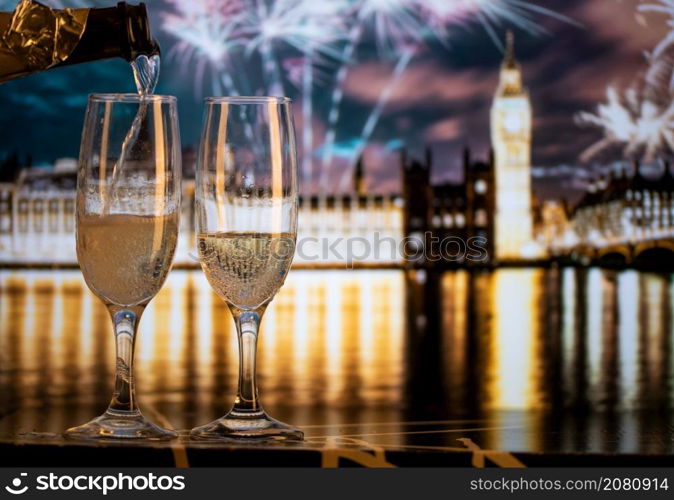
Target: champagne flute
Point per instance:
(246, 218)
(128, 203)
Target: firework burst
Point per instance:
(205, 25)
(641, 118)
(401, 27)
(398, 26)
(490, 14)
(293, 23)
(308, 26)
(205, 30)
(394, 23)
(642, 126)
(332, 16)
(301, 36)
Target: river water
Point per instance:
(522, 339)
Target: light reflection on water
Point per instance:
(569, 338)
(330, 339)
(514, 338)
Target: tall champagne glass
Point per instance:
(128, 202)
(246, 217)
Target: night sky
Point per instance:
(442, 99)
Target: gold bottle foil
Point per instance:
(37, 37)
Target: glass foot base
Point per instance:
(247, 426)
(119, 425)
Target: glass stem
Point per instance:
(125, 323)
(247, 326)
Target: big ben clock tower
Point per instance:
(511, 141)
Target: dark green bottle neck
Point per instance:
(121, 31)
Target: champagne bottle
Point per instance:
(36, 38)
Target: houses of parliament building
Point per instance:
(492, 205)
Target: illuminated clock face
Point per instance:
(480, 186)
(511, 79)
(513, 123)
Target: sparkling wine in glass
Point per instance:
(246, 217)
(127, 228)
